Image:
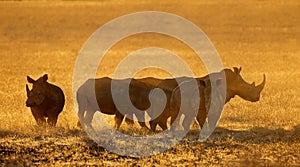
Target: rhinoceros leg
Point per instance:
(161, 120)
(141, 119)
(88, 118)
(39, 118)
(79, 124)
(187, 121)
(153, 125)
(41, 121)
(163, 124)
(129, 121)
(175, 119)
(143, 125)
(52, 120)
(118, 119)
(201, 117)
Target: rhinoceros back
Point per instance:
(56, 94)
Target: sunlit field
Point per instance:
(262, 37)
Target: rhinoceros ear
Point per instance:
(30, 80)
(237, 70)
(45, 77)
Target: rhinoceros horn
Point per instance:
(262, 85)
(27, 89)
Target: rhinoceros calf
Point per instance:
(45, 100)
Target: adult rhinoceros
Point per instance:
(235, 85)
(97, 95)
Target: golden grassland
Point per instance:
(260, 36)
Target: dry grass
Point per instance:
(260, 36)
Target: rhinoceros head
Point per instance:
(37, 95)
(236, 85)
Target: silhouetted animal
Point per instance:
(96, 95)
(235, 85)
(45, 100)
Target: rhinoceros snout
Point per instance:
(29, 104)
(255, 98)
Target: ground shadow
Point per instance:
(35, 132)
(254, 135)
(9, 133)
